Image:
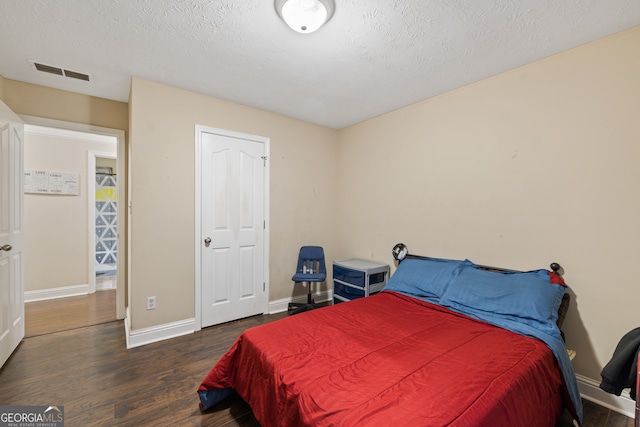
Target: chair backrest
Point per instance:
(311, 260)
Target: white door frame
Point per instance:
(198, 212)
(120, 190)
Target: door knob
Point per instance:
(6, 248)
(207, 241)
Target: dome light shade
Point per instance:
(305, 16)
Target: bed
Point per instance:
(447, 342)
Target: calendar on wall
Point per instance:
(45, 182)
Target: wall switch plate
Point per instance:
(151, 303)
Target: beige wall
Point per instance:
(105, 162)
(535, 165)
(1, 88)
(56, 226)
(44, 102)
(303, 190)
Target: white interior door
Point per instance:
(233, 169)
(11, 233)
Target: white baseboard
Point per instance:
(590, 390)
(139, 337)
(62, 292)
(281, 305)
(127, 325)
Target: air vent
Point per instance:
(51, 69)
(77, 75)
(48, 69)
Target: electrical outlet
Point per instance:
(151, 303)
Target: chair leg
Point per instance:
(309, 297)
(295, 308)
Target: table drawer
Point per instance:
(347, 291)
(353, 277)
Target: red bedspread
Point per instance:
(390, 360)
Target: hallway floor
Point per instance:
(62, 314)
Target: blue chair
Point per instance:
(311, 268)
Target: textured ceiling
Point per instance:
(374, 56)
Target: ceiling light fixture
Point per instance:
(305, 16)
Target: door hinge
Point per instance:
(264, 224)
(264, 286)
(264, 160)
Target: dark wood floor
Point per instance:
(597, 416)
(100, 383)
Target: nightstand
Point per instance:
(357, 278)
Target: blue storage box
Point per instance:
(357, 278)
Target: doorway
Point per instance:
(103, 220)
(71, 296)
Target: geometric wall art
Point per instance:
(106, 224)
